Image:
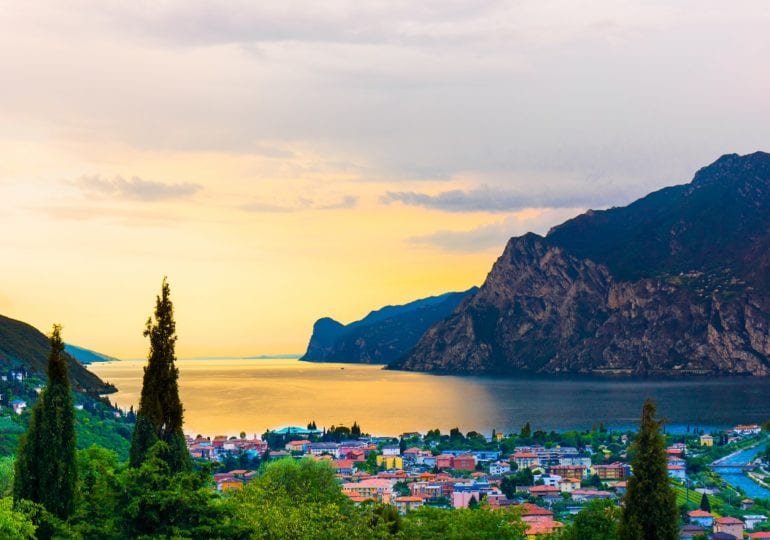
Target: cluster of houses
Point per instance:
(703, 523)
(375, 469)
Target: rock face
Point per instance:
(383, 335)
(677, 282)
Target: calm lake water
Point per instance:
(227, 396)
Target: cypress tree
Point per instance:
(159, 417)
(705, 505)
(649, 511)
(46, 470)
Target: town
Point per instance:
(549, 477)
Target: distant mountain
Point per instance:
(677, 282)
(383, 335)
(22, 346)
(86, 356)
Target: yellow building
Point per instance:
(391, 462)
(706, 440)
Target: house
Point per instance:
(532, 512)
(426, 490)
(525, 460)
(691, 531)
(407, 503)
(463, 493)
(765, 535)
(18, 405)
(568, 485)
(390, 462)
(568, 471)
(541, 529)
(321, 448)
(676, 471)
(753, 520)
(229, 483)
(613, 471)
(499, 468)
(751, 429)
(343, 466)
(706, 440)
(297, 446)
(746, 504)
(444, 461)
(545, 491)
(464, 463)
(391, 451)
(700, 517)
(376, 489)
(729, 525)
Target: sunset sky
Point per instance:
(283, 161)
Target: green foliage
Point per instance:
(482, 523)
(7, 465)
(301, 499)
(597, 521)
(97, 510)
(705, 505)
(46, 470)
(159, 417)
(159, 502)
(13, 523)
(650, 511)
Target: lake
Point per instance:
(227, 396)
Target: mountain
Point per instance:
(676, 282)
(22, 346)
(383, 335)
(86, 356)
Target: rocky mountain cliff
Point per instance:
(382, 336)
(23, 346)
(677, 282)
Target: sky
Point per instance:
(283, 161)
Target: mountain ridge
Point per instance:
(675, 282)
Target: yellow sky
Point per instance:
(244, 281)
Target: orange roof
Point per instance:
(546, 526)
(729, 521)
(409, 498)
(758, 535)
(529, 509)
(543, 489)
(699, 513)
(524, 455)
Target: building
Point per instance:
(462, 494)
(445, 461)
(706, 440)
(568, 485)
(464, 463)
(18, 405)
(568, 471)
(729, 525)
(613, 471)
(700, 517)
(753, 520)
(541, 529)
(391, 451)
(750, 429)
(525, 460)
(390, 462)
(545, 491)
(376, 489)
(499, 468)
(407, 503)
(297, 446)
(343, 466)
(676, 471)
(321, 448)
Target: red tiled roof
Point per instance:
(729, 521)
(529, 509)
(699, 513)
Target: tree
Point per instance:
(526, 431)
(46, 468)
(650, 511)
(597, 521)
(159, 417)
(705, 505)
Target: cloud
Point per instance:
(136, 188)
(300, 204)
(495, 199)
(495, 235)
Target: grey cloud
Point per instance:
(494, 235)
(136, 188)
(299, 205)
(494, 199)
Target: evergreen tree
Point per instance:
(46, 468)
(159, 417)
(705, 505)
(650, 511)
